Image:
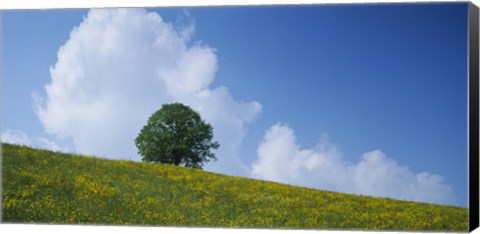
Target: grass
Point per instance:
(41, 186)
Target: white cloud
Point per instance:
(281, 159)
(49, 145)
(118, 67)
(15, 137)
(19, 137)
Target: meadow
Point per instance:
(40, 186)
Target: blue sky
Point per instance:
(367, 99)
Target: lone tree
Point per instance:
(176, 134)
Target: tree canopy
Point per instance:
(177, 135)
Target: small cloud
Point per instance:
(15, 137)
(19, 137)
(49, 145)
(185, 25)
(281, 159)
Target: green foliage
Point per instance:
(176, 134)
(44, 187)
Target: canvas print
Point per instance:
(325, 117)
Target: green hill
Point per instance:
(40, 186)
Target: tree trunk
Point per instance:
(178, 159)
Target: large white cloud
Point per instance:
(118, 67)
(281, 159)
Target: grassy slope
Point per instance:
(45, 187)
